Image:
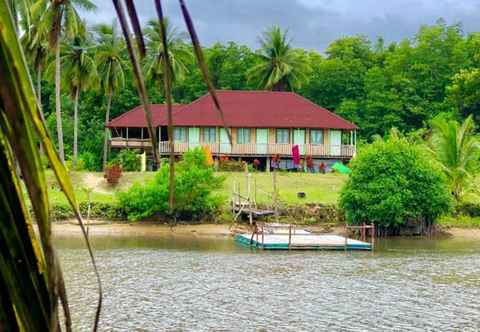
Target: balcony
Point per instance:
(340, 151)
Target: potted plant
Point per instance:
(113, 173)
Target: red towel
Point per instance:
(296, 155)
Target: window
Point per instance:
(316, 136)
(283, 136)
(243, 135)
(210, 135)
(180, 134)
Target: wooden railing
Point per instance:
(252, 149)
(118, 142)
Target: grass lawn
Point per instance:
(319, 188)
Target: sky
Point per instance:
(311, 24)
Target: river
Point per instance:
(192, 283)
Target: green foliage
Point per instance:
(457, 150)
(468, 209)
(129, 160)
(280, 67)
(90, 161)
(195, 183)
(393, 182)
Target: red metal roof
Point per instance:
(136, 117)
(257, 109)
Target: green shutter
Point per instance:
(299, 139)
(262, 141)
(225, 146)
(193, 137)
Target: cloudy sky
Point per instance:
(312, 24)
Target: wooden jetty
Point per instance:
(288, 237)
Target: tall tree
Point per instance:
(79, 73)
(111, 69)
(179, 53)
(457, 151)
(280, 68)
(60, 17)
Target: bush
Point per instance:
(393, 182)
(468, 209)
(90, 161)
(129, 160)
(228, 165)
(195, 183)
(98, 210)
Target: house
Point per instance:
(262, 123)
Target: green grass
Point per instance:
(319, 188)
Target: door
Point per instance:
(335, 142)
(299, 139)
(262, 141)
(193, 138)
(225, 146)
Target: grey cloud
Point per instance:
(312, 24)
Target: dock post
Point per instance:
(289, 236)
(263, 237)
(373, 236)
(346, 237)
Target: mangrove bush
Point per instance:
(394, 182)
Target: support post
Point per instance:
(289, 236)
(373, 236)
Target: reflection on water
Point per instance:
(188, 283)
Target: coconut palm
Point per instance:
(35, 45)
(60, 18)
(180, 55)
(111, 69)
(280, 68)
(457, 151)
(79, 73)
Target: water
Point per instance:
(209, 284)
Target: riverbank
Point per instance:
(102, 228)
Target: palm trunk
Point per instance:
(107, 119)
(58, 103)
(75, 128)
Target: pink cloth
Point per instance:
(296, 155)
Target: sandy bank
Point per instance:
(99, 228)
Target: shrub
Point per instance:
(393, 182)
(195, 183)
(468, 209)
(90, 161)
(228, 165)
(129, 160)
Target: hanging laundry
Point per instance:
(296, 155)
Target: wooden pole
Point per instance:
(373, 236)
(289, 236)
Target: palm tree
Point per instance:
(79, 73)
(35, 45)
(179, 54)
(457, 151)
(111, 69)
(280, 68)
(57, 17)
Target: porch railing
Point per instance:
(253, 149)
